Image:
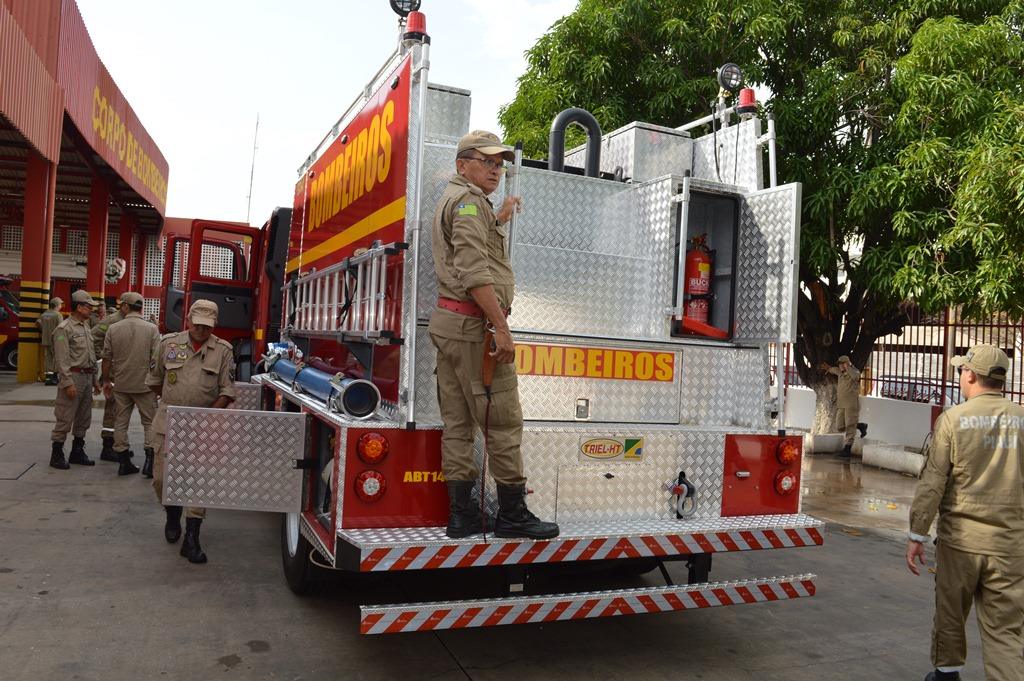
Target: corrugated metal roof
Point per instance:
(38, 20)
(29, 97)
(103, 115)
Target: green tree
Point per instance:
(902, 120)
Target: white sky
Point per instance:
(198, 71)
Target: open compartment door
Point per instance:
(235, 459)
(767, 262)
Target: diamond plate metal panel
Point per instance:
(739, 156)
(766, 265)
(590, 492)
(641, 151)
(247, 396)
(723, 387)
(449, 113)
(242, 460)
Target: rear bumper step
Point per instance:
(492, 612)
(428, 548)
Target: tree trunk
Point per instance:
(824, 408)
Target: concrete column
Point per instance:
(124, 251)
(37, 235)
(99, 209)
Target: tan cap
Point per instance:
(131, 298)
(56, 302)
(203, 312)
(486, 143)
(984, 360)
(844, 358)
(82, 297)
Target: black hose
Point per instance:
(556, 140)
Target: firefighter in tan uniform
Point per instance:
(99, 332)
(847, 402)
(476, 286)
(192, 368)
(76, 383)
(47, 323)
(974, 480)
(128, 349)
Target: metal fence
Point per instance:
(914, 365)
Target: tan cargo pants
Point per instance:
(463, 403)
(158, 477)
(995, 584)
(846, 422)
(109, 417)
(73, 415)
(48, 365)
(123, 404)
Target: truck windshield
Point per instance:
(10, 299)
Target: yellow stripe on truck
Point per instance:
(379, 219)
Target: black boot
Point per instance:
(190, 548)
(863, 428)
(57, 457)
(515, 520)
(172, 528)
(942, 676)
(846, 453)
(464, 517)
(77, 454)
(147, 465)
(108, 453)
(126, 466)
(51, 379)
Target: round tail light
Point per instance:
(372, 448)
(787, 452)
(370, 486)
(785, 483)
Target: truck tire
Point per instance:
(302, 575)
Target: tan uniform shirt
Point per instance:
(848, 389)
(72, 348)
(190, 378)
(47, 322)
(974, 478)
(470, 250)
(99, 330)
(129, 346)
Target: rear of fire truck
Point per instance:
(652, 268)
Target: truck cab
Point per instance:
(9, 320)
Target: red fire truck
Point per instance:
(648, 428)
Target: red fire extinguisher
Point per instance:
(697, 286)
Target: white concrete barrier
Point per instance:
(823, 443)
(896, 421)
(893, 458)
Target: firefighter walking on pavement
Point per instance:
(75, 363)
(128, 350)
(192, 368)
(99, 332)
(47, 323)
(974, 480)
(476, 287)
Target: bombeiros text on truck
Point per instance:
(653, 268)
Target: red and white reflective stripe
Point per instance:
(587, 605)
(463, 555)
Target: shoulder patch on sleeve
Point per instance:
(466, 209)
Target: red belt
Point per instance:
(463, 307)
(81, 370)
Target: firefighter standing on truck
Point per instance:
(974, 479)
(128, 349)
(47, 323)
(476, 287)
(76, 383)
(99, 332)
(192, 368)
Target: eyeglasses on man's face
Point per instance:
(490, 164)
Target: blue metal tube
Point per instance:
(312, 381)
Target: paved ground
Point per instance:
(89, 590)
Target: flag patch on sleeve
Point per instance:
(467, 209)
